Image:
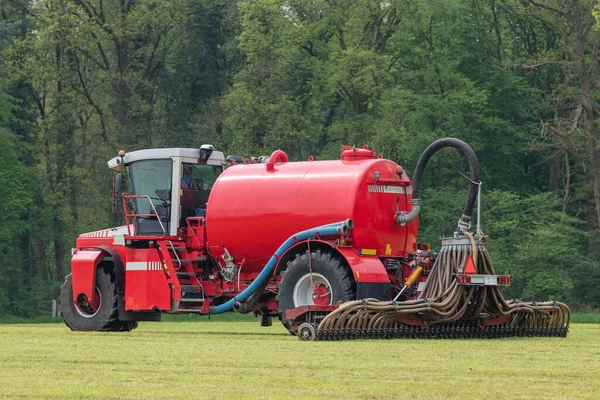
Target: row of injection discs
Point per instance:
(309, 332)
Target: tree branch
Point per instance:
(545, 7)
(154, 49)
(94, 16)
(88, 96)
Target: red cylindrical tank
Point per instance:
(254, 208)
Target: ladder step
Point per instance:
(184, 300)
(190, 288)
(174, 260)
(186, 274)
(190, 310)
(175, 248)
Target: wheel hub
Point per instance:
(312, 289)
(307, 332)
(88, 308)
(321, 295)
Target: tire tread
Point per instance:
(112, 323)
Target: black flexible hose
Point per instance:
(474, 175)
(245, 307)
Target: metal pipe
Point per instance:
(479, 209)
(240, 307)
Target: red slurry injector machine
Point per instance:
(330, 247)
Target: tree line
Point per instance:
(516, 79)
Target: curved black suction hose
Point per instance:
(467, 152)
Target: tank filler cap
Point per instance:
(349, 153)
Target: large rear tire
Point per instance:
(80, 316)
(331, 281)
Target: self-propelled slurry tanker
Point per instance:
(330, 247)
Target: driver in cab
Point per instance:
(187, 181)
(191, 199)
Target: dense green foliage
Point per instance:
(516, 79)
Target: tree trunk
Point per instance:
(567, 183)
(59, 248)
(587, 78)
(40, 253)
(554, 164)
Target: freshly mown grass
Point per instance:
(232, 359)
(577, 318)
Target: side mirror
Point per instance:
(117, 181)
(116, 193)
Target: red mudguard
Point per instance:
(83, 270)
(364, 268)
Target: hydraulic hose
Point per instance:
(474, 173)
(335, 229)
(447, 309)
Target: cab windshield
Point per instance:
(151, 179)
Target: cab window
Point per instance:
(152, 180)
(196, 182)
(199, 177)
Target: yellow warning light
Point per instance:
(121, 153)
(345, 242)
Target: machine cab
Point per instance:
(166, 186)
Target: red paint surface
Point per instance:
(146, 289)
(253, 210)
(321, 295)
(364, 268)
(83, 269)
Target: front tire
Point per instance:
(80, 316)
(329, 281)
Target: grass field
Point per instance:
(238, 359)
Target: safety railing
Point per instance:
(127, 199)
(174, 250)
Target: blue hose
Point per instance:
(323, 230)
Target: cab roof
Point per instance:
(216, 157)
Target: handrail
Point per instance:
(175, 252)
(134, 214)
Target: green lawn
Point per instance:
(221, 359)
